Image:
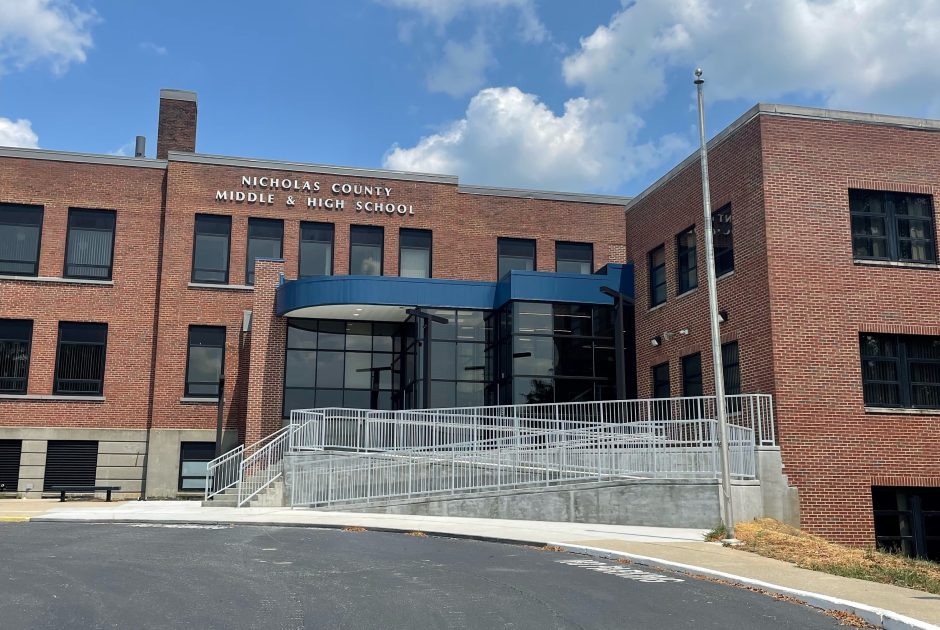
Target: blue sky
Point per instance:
(591, 96)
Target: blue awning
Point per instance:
(387, 297)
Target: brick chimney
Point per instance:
(176, 129)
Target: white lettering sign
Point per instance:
(373, 199)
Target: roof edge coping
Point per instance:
(543, 194)
(178, 95)
(88, 158)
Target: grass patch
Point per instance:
(717, 534)
(354, 529)
(417, 534)
(770, 538)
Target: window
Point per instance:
(514, 254)
(661, 388)
(657, 267)
(265, 237)
(574, 257)
(80, 357)
(414, 257)
(20, 231)
(731, 368)
(901, 370)
(365, 250)
(15, 339)
(211, 248)
(722, 241)
(10, 456)
(907, 520)
(316, 249)
(205, 362)
(692, 375)
(89, 248)
(193, 459)
(686, 261)
(892, 226)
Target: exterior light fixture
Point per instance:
(656, 341)
(722, 317)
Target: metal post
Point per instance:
(619, 367)
(218, 420)
(426, 371)
(713, 317)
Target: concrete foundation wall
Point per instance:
(120, 457)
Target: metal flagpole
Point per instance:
(728, 513)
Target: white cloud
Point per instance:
(32, 30)
(510, 138)
(18, 133)
(153, 48)
(462, 68)
(442, 12)
(850, 53)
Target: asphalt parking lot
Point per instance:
(67, 575)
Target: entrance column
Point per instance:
(267, 340)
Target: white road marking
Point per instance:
(621, 571)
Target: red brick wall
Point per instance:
(135, 194)
(821, 300)
(735, 177)
(176, 126)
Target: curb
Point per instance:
(14, 519)
(876, 616)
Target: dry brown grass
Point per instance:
(417, 534)
(354, 529)
(773, 539)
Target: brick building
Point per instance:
(128, 286)
(825, 233)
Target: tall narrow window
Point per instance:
(574, 257)
(365, 250)
(515, 254)
(901, 370)
(657, 275)
(15, 341)
(731, 368)
(89, 244)
(316, 249)
(892, 226)
(206, 361)
(80, 359)
(20, 230)
(661, 380)
(692, 375)
(265, 238)
(414, 259)
(211, 248)
(686, 261)
(723, 241)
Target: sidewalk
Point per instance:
(654, 546)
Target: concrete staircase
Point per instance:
(272, 496)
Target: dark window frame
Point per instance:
(42, 216)
(686, 262)
(228, 257)
(189, 348)
(687, 383)
(724, 256)
(656, 383)
(500, 240)
(29, 351)
(181, 477)
(249, 262)
(365, 229)
(56, 387)
(892, 237)
(589, 246)
(651, 269)
(430, 250)
(68, 240)
(902, 362)
(731, 368)
(301, 241)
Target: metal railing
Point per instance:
(667, 449)
(654, 437)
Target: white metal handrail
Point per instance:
(223, 472)
(669, 449)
